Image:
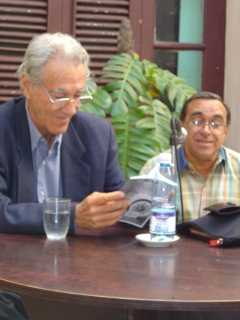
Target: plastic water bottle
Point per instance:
(163, 212)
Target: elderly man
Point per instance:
(48, 149)
(210, 172)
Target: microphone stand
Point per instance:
(175, 140)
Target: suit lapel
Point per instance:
(26, 192)
(75, 171)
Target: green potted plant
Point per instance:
(139, 97)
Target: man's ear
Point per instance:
(226, 129)
(25, 85)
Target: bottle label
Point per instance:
(163, 221)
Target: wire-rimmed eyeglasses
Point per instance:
(213, 124)
(61, 102)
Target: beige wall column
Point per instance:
(232, 71)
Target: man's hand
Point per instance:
(100, 210)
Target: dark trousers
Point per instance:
(11, 307)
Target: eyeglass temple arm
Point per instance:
(86, 98)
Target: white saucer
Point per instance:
(145, 238)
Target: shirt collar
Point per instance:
(222, 156)
(183, 162)
(36, 136)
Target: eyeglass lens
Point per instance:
(213, 123)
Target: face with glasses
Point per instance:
(206, 124)
(54, 101)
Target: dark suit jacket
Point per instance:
(88, 164)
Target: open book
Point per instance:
(138, 191)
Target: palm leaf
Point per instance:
(100, 104)
(127, 82)
(140, 97)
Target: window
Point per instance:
(186, 37)
(180, 22)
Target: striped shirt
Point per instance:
(198, 192)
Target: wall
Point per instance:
(232, 71)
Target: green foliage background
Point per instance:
(140, 98)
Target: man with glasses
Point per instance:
(49, 149)
(210, 172)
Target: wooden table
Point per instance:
(117, 272)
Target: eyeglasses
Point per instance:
(214, 124)
(62, 102)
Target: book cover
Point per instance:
(138, 191)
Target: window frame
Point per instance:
(212, 47)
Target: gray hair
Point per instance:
(46, 46)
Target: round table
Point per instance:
(117, 271)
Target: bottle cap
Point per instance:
(165, 157)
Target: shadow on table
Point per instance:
(185, 315)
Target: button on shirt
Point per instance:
(46, 163)
(198, 192)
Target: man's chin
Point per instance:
(59, 131)
(205, 156)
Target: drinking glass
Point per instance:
(56, 217)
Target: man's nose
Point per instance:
(206, 127)
(71, 107)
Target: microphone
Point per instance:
(179, 133)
